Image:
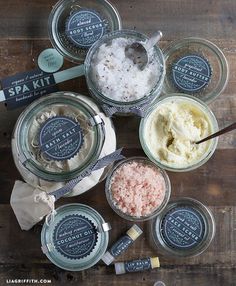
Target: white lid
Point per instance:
(107, 258)
(119, 268)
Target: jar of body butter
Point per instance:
(116, 81)
(57, 137)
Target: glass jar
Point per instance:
(171, 127)
(140, 177)
(76, 238)
(184, 229)
(56, 117)
(74, 25)
(124, 107)
(197, 67)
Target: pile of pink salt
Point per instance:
(137, 188)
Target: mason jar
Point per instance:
(185, 228)
(170, 128)
(76, 238)
(124, 106)
(74, 25)
(57, 137)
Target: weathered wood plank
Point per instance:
(102, 276)
(205, 18)
(213, 183)
(19, 56)
(21, 257)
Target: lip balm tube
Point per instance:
(122, 244)
(137, 265)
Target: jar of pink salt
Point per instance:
(137, 190)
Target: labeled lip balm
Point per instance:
(122, 244)
(137, 265)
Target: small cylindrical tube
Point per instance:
(122, 244)
(137, 265)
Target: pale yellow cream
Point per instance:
(172, 129)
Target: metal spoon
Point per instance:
(220, 132)
(138, 52)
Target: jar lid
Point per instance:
(76, 238)
(197, 67)
(59, 136)
(75, 25)
(185, 228)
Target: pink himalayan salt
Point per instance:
(137, 188)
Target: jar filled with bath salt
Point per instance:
(116, 81)
(170, 129)
(184, 229)
(76, 238)
(57, 137)
(137, 190)
(75, 25)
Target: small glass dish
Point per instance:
(143, 162)
(147, 137)
(124, 107)
(74, 25)
(197, 67)
(184, 229)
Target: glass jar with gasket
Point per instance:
(57, 137)
(75, 238)
(197, 67)
(185, 228)
(116, 81)
(75, 25)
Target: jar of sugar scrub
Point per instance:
(75, 25)
(137, 190)
(57, 137)
(185, 228)
(116, 82)
(171, 127)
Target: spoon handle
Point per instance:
(222, 131)
(153, 40)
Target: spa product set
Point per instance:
(64, 143)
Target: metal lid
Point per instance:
(75, 238)
(75, 25)
(185, 228)
(197, 67)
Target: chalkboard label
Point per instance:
(121, 245)
(191, 73)
(183, 228)
(85, 27)
(75, 236)
(60, 138)
(138, 265)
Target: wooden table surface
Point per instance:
(23, 34)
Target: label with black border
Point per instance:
(183, 228)
(138, 265)
(75, 236)
(191, 73)
(85, 27)
(60, 138)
